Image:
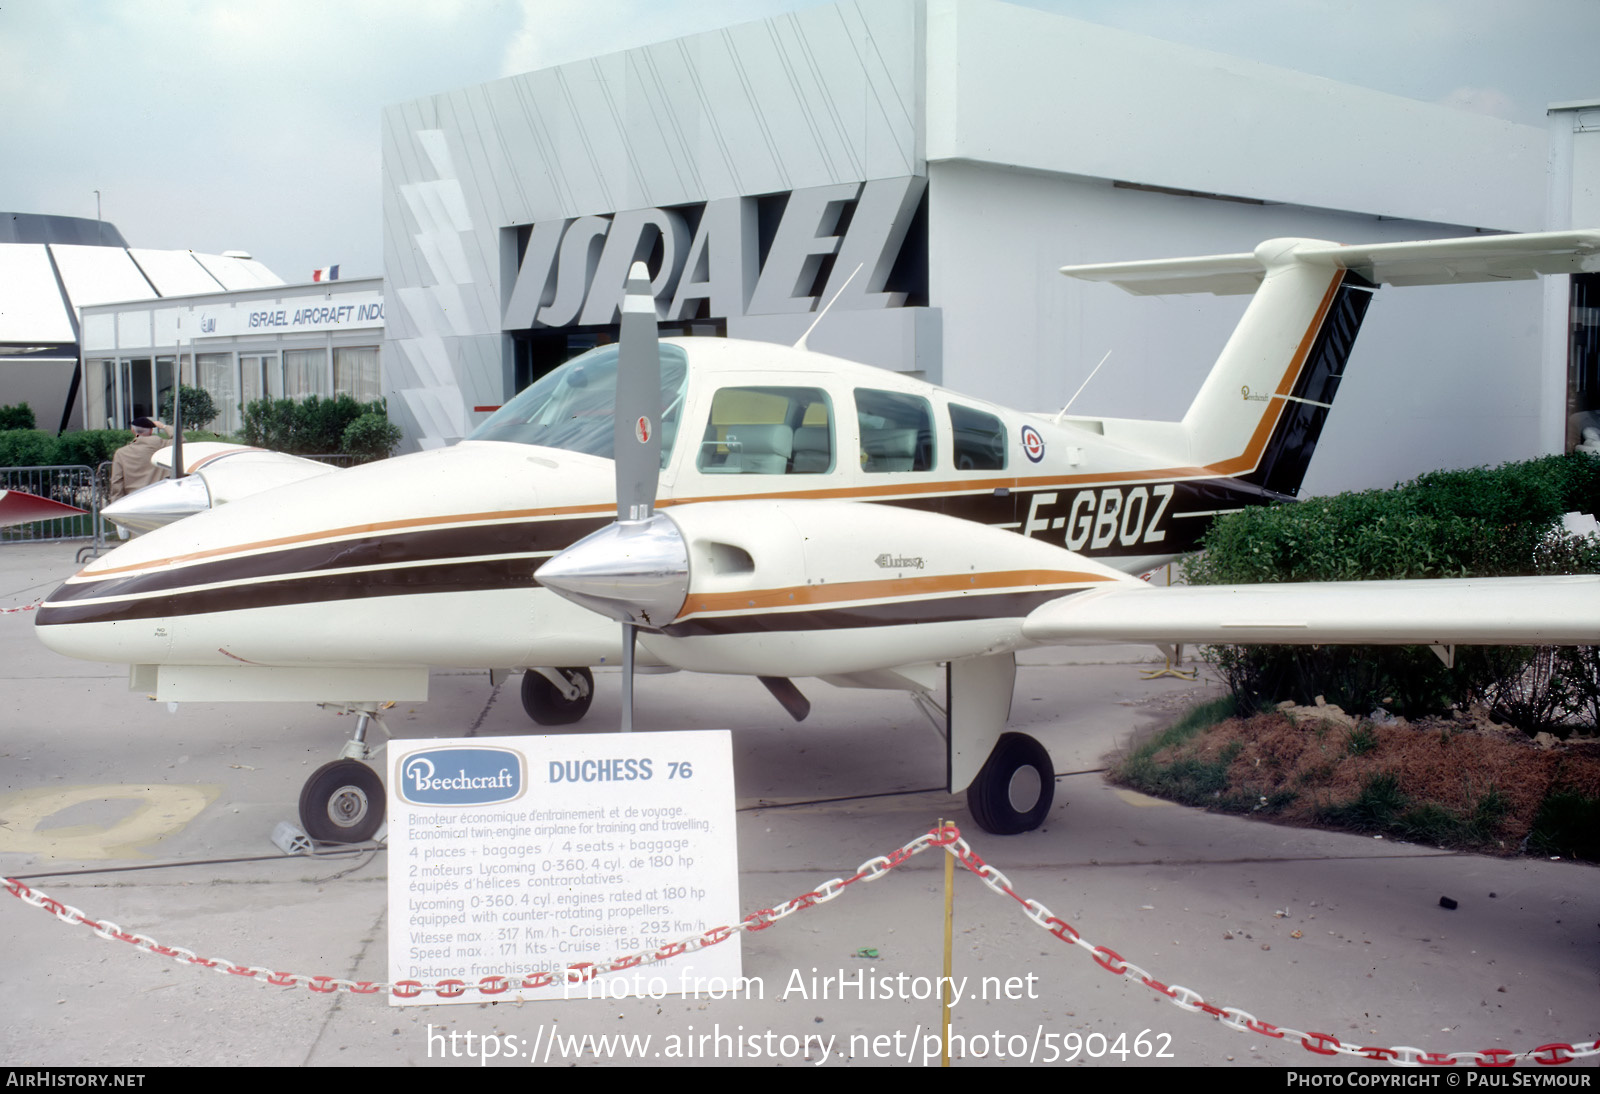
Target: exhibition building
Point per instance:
(956, 153)
(55, 272)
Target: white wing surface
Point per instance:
(1425, 262)
(1547, 611)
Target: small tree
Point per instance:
(17, 416)
(198, 409)
(371, 436)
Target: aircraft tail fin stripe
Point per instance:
(1303, 410)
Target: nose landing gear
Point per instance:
(343, 801)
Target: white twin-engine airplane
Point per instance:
(818, 518)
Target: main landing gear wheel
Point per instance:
(546, 705)
(342, 802)
(1014, 790)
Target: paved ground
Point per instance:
(1332, 933)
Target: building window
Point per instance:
(305, 373)
(216, 376)
(1583, 364)
(355, 373)
(99, 393)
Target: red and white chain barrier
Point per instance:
(949, 838)
(25, 608)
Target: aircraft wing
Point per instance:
(18, 507)
(1546, 611)
(1424, 262)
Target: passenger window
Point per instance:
(978, 438)
(768, 431)
(896, 431)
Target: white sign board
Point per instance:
(514, 855)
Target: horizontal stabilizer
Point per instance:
(1547, 611)
(1425, 262)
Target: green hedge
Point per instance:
(315, 426)
(26, 448)
(16, 416)
(1474, 523)
(35, 447)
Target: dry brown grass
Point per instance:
(1489, 779)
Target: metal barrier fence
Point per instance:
(71, 484)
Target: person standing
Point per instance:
(133, 466)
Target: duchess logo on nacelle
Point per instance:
(462, 776)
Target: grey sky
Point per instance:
(213, 125)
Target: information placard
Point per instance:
(512, 855)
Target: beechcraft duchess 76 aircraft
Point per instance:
(818, 518)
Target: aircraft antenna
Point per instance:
(802, 343)
(1075, 394)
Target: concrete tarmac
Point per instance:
(158, 821)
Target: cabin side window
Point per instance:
(768, 431)
(979, 439)
(896, 431)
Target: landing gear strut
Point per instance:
(552, 704)
(1014, 790)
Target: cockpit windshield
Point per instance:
(571, 407)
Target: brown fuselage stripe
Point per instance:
(452, 577)
(504, 516)
(406, 549)
(853, 591)
(897, 613)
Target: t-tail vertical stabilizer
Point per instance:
(1258, 416)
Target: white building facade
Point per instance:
(956, 152)
(289, 341)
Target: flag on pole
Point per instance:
(327, 273)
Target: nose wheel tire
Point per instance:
(546, 705)
(1016, 787)
(342, 802)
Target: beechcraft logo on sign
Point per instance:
(461, 776)
(1032, 443)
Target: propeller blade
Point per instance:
(637, 444)
(178, 471)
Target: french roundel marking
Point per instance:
(1032, 443)
(641, 430)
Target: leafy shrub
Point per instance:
(17, 416)
(199, 410)
(1568, 823)
(26, 448)
(90, 446)
(1477, 522)
(371, 436)
(313, 427)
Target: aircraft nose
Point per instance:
(631, 571)
(159, 504)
